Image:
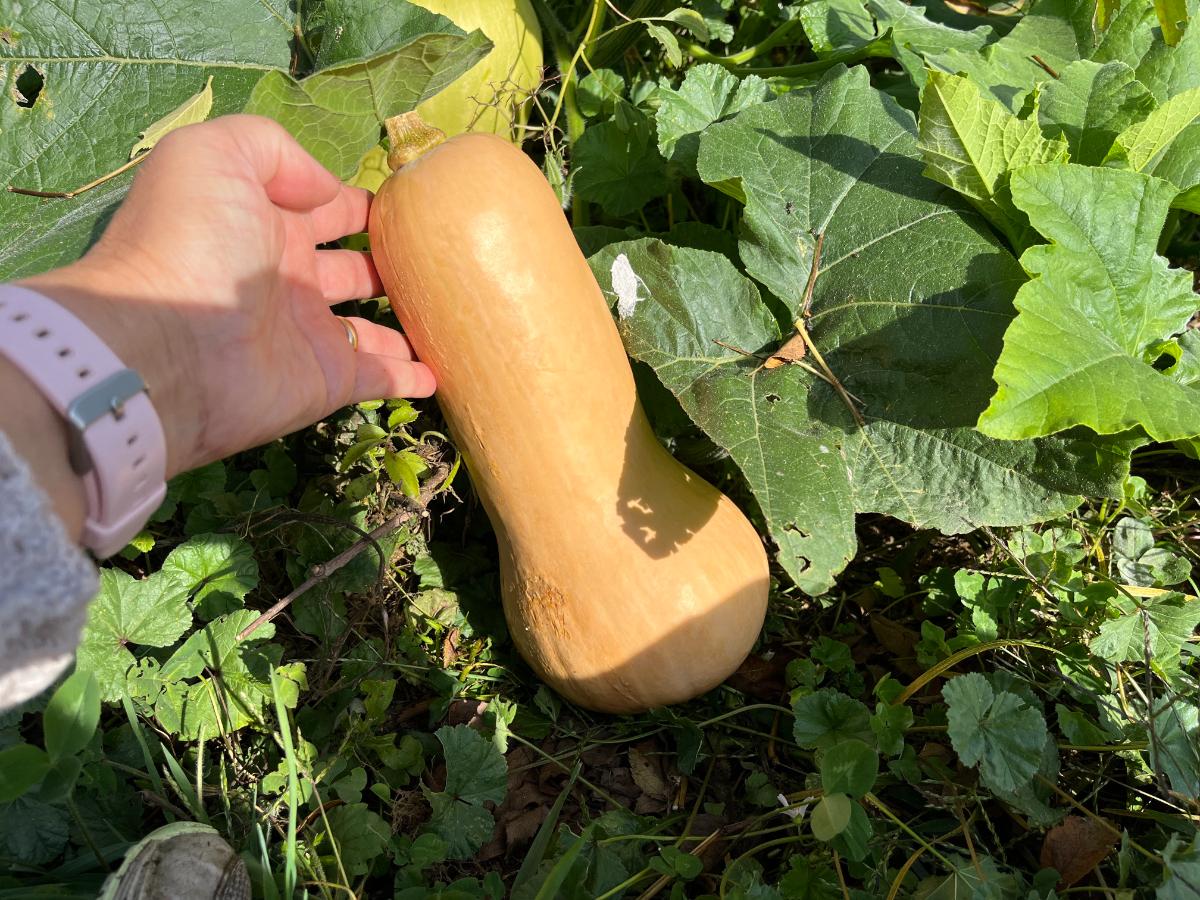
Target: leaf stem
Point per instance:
(873, 50)
(566, 101)
(929, 848)
(770, 42)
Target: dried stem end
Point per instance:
(410, 137)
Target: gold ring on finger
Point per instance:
(351, 332)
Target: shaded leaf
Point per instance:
(71, 716)
(619, 168)
(464, 827)
(362, 836)
(475, 769)
(32, 832)
(849, 767)
(997, 731)
(1089, 104)
(233, 686)
(833, 25)
(598, 92)
(915, 37)
(1056, 32)
(21, 767)
(218, 569)
(827, 717)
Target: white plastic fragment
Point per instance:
(625, 283)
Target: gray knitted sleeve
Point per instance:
(46, 582)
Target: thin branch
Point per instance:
(323, 571)
(1041, 62)
(813, 271)
(67, 195)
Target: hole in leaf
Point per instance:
(28, 86)
(1164, 361)
(773, 398)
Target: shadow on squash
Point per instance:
(652, 596)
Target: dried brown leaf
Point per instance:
(1075, 847)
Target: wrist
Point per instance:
(118, 304)
(38, 434)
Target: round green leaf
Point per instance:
(849, 768)
(831, 816)
(825, 717)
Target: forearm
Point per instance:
(108, 300)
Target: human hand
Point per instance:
(209, 283)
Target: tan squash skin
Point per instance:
(628, 581)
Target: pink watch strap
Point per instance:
(116, 439)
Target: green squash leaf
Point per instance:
(708, 94)
(107, 75)
(1166, 143)
(1102, 298)
(972, 143)
(1089, 104)
(336, 113)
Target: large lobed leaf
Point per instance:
(972, 143)
(377, 59)
(909, 308)
(108, 72)
(1090, 104)
(82, 81)
(1094, 343)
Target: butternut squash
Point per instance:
(628, 582)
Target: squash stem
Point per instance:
(410, 136)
